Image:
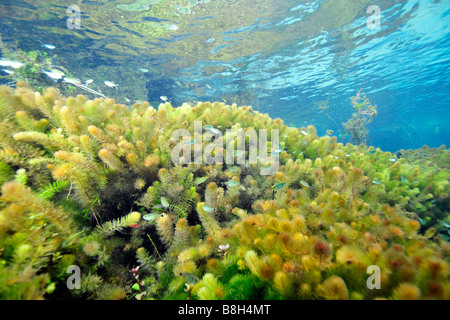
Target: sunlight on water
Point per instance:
(281, 57)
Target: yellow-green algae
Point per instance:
(79, 175)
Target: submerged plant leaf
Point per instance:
(135, 287)
(200, 180)
(430, 232)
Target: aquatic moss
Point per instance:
(245, 287)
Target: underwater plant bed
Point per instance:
(93, 207)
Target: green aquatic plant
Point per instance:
(199, 230)
(356, 126)
(31, 66)
(36, 243)
(38, 69)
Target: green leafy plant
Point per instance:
(209, 231)
(356, 126)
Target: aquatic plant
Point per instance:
(36, 240)
(30, 66)
(38, 70)
(356, 126)
(198, 230)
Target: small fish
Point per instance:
(213, 130)
(133, 225)
(173, 27)
(445, 224)
(223, 247)
(278, 186)
(190, 278)
(12, 64)
(200, 180)
(239, 153)
(164, 202)
(232, 183)
(144, 70)
(423, 168)
(72, 81)
(305, 184)
(151, 216)
(110, 84)
(8, 71)
(54, 74)
(89, 81)
(188, 142)
(279, 149)
(164, 98)
(208, 208)
(372, 152)
(304, 132)
(377, 182)
(392, 160)
(329, 132)
(403, 179)
(49, 46)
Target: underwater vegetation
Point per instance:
(26, 66)
(356, 126)
(39, 70)
(91, 184)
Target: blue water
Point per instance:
(299, 53)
